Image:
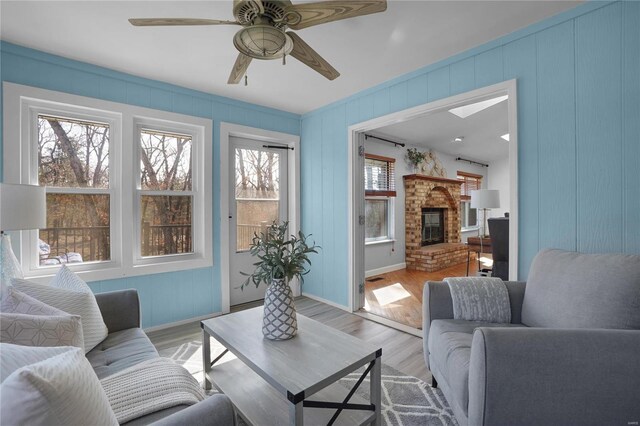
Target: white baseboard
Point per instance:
(328, 302)
(181, 322)
(385, 269)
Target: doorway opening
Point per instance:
(432, 221)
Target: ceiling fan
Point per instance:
(265, 34)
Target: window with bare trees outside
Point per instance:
(73, 163)
(166, 203)
(128, 189)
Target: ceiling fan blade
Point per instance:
(154, 22)
(239, 68)
(299, 16)
(305, 54)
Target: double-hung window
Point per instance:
(380, 191)
(165, 193)
(468, 215)
(128, 189)
(73, 162)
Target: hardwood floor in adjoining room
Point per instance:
(398, 294)
(400, 350)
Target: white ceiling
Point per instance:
(481, 133)
(367, 50)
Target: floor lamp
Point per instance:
(485, 199)
(21, 207)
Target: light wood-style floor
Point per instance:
(398, 294)
(400, 350)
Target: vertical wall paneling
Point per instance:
(489, 67)
(556, 137)
(329, 165)
(438, 84)
(312, 209)
(417, 91)
(631, 131)
(340, 207)
(353, 112)
(138, 95)
(172, 296)
(462, 75)
(365, 107)
(520, 63)
(599, 126)
(381, 102)
(398, 96)
(111, 89)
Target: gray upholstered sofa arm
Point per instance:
(534, 376)
(437, 304)
(216, 410)
(120, 309)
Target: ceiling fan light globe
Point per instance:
(260, 41)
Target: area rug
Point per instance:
(406, 400)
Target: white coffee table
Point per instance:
(292, 381)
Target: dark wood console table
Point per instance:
(474, 244)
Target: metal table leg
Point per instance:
(206, 358)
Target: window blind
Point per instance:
(470, 182)
(379, 176)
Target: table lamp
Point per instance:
(485, 199)
(21, 207)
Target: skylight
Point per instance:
(505, 137)
(468, 110)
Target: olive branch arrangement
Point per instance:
(279, 257)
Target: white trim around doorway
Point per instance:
(228, 130)
(507, 87)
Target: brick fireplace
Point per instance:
(432, 223)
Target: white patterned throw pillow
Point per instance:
(16, 356)
(72, 295)
(16, 302)
(27, 321)
(60, 390)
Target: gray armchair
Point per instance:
(570, 356)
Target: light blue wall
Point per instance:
(579, 136)
(164, 297)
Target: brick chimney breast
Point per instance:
(432, 192)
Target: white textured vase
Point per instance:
(279, 321)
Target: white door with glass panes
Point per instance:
(258, 197)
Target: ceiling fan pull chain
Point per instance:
(246, 80)
(284, 59)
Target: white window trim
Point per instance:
(470, 228)
(21, 102)
(391, 220)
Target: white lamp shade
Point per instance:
(485, 199)
(22, 207)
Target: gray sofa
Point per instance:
(570, 356)
(127, 345)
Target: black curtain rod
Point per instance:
(383, 139)
(277, 147)
(471, 162)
